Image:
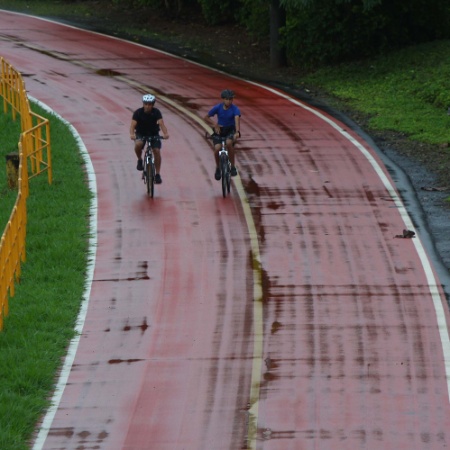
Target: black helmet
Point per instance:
(227, 93)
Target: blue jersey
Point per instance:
(225, 117)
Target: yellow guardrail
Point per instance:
(34, 158)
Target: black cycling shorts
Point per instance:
(156, 141)
(227, 132)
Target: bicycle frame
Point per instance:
(224, 164)
(225, 167)
(148, 174)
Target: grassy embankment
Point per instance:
(43, 311)
(407, 92)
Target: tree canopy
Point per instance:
(316, 32)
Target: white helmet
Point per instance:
(149, 98)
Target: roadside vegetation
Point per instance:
(43, 311)
(405, 93)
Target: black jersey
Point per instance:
(146, 123)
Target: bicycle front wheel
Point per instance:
(224, 170)
(150, 179)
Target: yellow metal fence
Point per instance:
(34, 158)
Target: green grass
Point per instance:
(407, 91)
(43, 311)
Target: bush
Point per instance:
(217, 12)
(254, 16)
(324, 32)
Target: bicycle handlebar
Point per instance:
(215, 136)
(146, 138)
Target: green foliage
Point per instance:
(254, 16)
(407, 91)
(219, 11)
(136, 4)
(329, 31)
(318, 32)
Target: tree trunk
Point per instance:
(277, 20)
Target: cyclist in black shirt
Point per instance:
(148, 121)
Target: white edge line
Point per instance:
(432, 283)
(429, 273)
(92, 249)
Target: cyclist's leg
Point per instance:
(217, 147)
(138, 146)
(156, 147)
(230, 148)
(231, 155)
(158, 160)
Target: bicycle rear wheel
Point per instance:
(228, 177)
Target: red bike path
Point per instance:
(287, 316)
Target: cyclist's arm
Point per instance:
(163, 127)
(210, 121)
(237, 126)
(133, 129)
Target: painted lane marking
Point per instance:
(258, 328)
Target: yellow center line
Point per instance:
(258, 338)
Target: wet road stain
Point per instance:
(117, 280)
(141, 274)
(185, 101)
(268, 434)
(275, 327)
(330, 195)
(123, 361)
(59, 74)
(273, 205)
(108, 73)
(143, 326)
(66, 432)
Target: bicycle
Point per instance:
(224, 164)
(149, 171)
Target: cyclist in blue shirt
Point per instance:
(228, 125)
